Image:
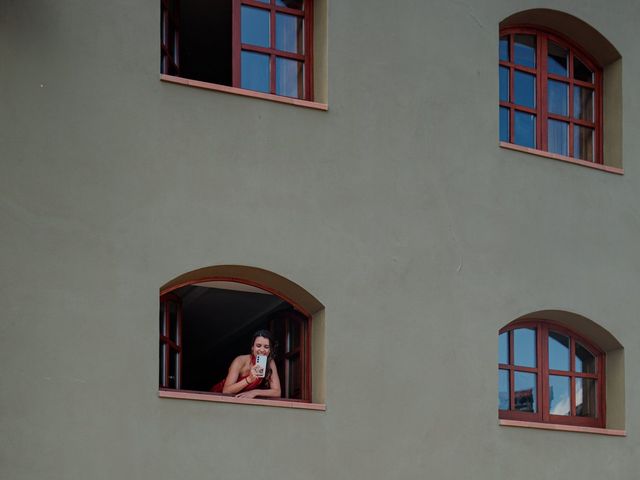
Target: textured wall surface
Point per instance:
(396, 209)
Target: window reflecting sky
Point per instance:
(559, 395)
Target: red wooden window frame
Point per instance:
(170, 37)
(542, 371)
(543, 36)
(170, 41)
(285, 352)
(170, 342)
(292, 350)
(306, 58)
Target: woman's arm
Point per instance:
(231, 384)
(272, 391)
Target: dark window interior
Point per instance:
(205, 40)
(218, 321)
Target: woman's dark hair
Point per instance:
(272, 352)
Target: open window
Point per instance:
(208, 317)
(264, 46)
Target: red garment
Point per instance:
(217, 388)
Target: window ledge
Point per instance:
(212, 397)
(563, 158)
(241, 91)
(563, 428)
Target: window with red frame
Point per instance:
(550, 95)
(170, 341)
(204, 325)
(547, 373)
(260, 45)
(290, 329)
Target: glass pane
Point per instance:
(173, 369)
(557, 59)
(583, 103)
(524, 89)
(559, 395)
(175, 49)
(525, 391)
(558, 138)
(524, 347)
(524, 50)
(586, 397)
(583, 143)
(295, 332)
(264, 1)
(558, 93)
(585, 361)
(297, 4)
(504, 124)
(295, 378)
(559, 356)
(504, 84)
(503, 348)
(255, 26)
(504, 48)
(163, 326)
(289, 33)
(581, 72)
(525, 129)
(503, 389)
(165, 27)
(173, 322)
(289, 78)
(254, 68)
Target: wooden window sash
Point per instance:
(542, 370)
(541, 110)
(306, 58)
(170, 37)
(171, 346)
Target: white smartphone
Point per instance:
(261, 363)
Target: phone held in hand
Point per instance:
(261, 363)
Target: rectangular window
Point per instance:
(260, 45)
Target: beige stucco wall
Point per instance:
(396, 209)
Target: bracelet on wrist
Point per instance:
(247, 380)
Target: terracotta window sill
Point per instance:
(246, 93)
(563, 428)
(212, 397)
(562, 158)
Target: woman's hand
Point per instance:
(254, 374)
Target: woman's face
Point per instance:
(261, 346)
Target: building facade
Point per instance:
(388, 188)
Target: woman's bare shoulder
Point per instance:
(242, 359)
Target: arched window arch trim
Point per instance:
(256, 277)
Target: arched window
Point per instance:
(208, 317)
(549, 373)
(550, 94)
